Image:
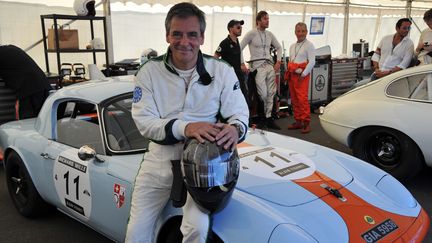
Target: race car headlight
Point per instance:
(290, 233)
(394, 190)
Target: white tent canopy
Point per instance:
(131, 21)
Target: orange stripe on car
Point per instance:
(360, 216)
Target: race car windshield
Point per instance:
(121, 131)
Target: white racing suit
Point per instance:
(163, 105)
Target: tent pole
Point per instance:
(304, 11)
(346, 25)
(109, 45)
(377, 27)
(254, 12)
(408, 8)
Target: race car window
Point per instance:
(121, 131)
(78, 125)
(413, 87)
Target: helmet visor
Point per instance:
(212, 173)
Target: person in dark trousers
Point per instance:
(21, 74)
(229, 51)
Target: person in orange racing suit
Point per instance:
(301, 62)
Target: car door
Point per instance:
(84, 189)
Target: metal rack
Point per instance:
(344, 74)
(55, 18)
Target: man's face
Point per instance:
(263, 23)
(300, 32)
(236, 30)
(404, 29)
(185, 39)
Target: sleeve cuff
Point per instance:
(178, 129)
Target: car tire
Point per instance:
(21, 189)
(389, 150)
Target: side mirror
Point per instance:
(87, 153)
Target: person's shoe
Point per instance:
(271, 124)
(306, 127)
(296, 125)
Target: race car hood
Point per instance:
(287, 177)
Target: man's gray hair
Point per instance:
(184, 10)
(300, 24)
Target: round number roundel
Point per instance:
(275, 163)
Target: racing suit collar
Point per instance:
(205, 77)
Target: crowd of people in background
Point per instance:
(393, 53)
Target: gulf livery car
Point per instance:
(387, 122)
(82, 153)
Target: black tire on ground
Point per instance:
(389, 150)
(21, 189)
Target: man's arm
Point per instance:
(408, 55)
(279, 50)
(218, 52)
(246, 41)
(375, 59)
(234, 109)
(311, 60)
(146, 115)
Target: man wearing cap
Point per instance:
(260, 41)
(229, 50)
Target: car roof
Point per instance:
(96, 91)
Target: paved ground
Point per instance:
(60, 228)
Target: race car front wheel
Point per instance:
(21, 189)
(390, 150)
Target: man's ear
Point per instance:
(202, 39)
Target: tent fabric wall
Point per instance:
(132, 33)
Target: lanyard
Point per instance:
(263, 42)
(296, 51)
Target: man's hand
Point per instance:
(298, 71)
(381, 74)
(202, 131)
(227, 136)
(244, 68)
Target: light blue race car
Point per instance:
(82, 153)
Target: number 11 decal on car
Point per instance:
(71, 179)
(275, 163)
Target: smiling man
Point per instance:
(180, 95)
(394, 52)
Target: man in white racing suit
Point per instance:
(260, 41)
(182, 94)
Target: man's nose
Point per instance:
(184, 39)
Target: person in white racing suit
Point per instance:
(181, 94)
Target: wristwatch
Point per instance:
(240, 129)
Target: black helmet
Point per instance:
(210, 173)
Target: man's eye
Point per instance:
(192, 34)
(177, 34)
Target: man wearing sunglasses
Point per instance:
(394, 52)
(229, 50)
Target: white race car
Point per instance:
(387, 122)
